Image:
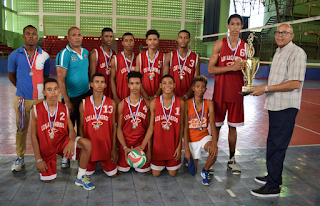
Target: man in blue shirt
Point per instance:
(28, 67)
(72, 73)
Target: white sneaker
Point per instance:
(65, 162)
(233, 166)
(211, 170)
(17, 166)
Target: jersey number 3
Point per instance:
(108, 109)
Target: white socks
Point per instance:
(81, 172)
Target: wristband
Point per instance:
(125, 147)
(266, 90)
(186, 96)
(39, 160)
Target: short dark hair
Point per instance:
(107, 29)
(184, 31)
(165, 76)
(134, 74)
(47, 81)
(235, 16)
(30, 26)
(127, 34)
(200, 78)
(97, 75)
(152, 31)
(74, 27)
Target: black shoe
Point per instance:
(263, 180)
(265, 192)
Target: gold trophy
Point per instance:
(251, 66)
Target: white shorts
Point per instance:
(195, 147)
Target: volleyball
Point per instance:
(137, 158)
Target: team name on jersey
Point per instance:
(124, 70)
(93, 117)
(47, 125)
(194, 116)
(103, 65)
(163, 117)
(140, 114)
(185, 68)
(154, 69)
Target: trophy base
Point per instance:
(245, 90)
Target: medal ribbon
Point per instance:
(106, 55)
(94, 107)
(34, 57)
(235, 50)
(195, 109)
(125, 59)
(55, 116)
(185, 60)
(154, 60)
(134, 116)
(164, 111)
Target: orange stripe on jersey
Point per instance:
(195, 134)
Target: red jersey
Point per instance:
(166, 134)
(152, 72)
(228, 85)
(123, 66)
(184, 78)
(49, 138)
(100, 136)
(103, 66)
(131, 135)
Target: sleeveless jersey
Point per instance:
(122, 72)
(189, 68)
(151, 79)
(228, 85)
(133, 136)
(101, 138)
(165, 142)
(103, 66)
(48, 146)
(195, 134)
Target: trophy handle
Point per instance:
(258, 66)
(244, 74)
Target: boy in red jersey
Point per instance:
(225, 62)
(199, 113)
(122, 64)
(100, 59)
(97, 113)
(150, 64)
(183, 65)
(50, 136)
(132, 124)
(166, 126)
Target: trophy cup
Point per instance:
(251, 66)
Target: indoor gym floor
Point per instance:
(301, 175)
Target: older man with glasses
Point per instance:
(283, 101)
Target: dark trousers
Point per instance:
(281, 124)
(76, 115)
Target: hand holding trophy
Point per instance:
(251, 67)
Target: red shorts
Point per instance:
(169, 164)
(108, 167)
(122, 162)
(235, 113)
(51, 161)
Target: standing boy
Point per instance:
(199, 113)
(97, 115)
(132, 124)
(49, 136)
(166, 126)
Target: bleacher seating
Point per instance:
(4, 49)
(53, 45)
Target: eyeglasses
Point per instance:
(284, 33)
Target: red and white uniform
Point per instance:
(100, 136)
(165, 142)
(133, 137)
(50, 147)
(103, 66)
(152, 72)
(190, 63)
(123, 66)
(228, 85)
